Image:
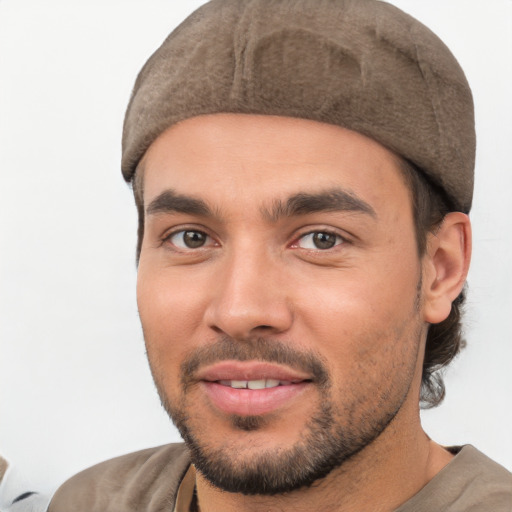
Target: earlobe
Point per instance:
(445, 266)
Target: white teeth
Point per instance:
(271, 383)
(239, 384)
(254, 384)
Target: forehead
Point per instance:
(237, 159)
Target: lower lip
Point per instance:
(252, 402)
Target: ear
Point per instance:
(445, 266)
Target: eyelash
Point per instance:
(338, 239)
(168, 238)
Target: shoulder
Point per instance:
(485, 485)
(471, 482)
(145, 480)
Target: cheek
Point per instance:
(371, 352)
(363, 320)
(376, 298)
(169, 305)
(170, 312)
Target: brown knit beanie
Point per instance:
(361, 64)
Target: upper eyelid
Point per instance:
(295, 236)
(167, 233)
(166, 238)
(296, 241)
(330, 230)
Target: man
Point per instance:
(303, 171)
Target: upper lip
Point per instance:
(249, 370)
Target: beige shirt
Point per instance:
(161, 480)
(463, 485)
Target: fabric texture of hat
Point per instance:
(361, 64)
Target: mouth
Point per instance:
(256, 384)
(252, 388)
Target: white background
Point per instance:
(74, 384)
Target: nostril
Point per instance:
(240, 320)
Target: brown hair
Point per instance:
(138, 193)
(445, 339)
(430, 205)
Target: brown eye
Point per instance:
(189, 239)
(321, 240)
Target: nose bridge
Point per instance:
(249, 295)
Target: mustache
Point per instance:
(256, 349)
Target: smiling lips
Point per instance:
(251, 388)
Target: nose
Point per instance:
(249, 298)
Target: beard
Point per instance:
(332, 435)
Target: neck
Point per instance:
(381, 477)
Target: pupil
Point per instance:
(324, 240)
(194, 239)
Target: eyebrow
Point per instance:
(302, 203)
(170, 201)
(331, 200)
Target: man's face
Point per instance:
(279, 293)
